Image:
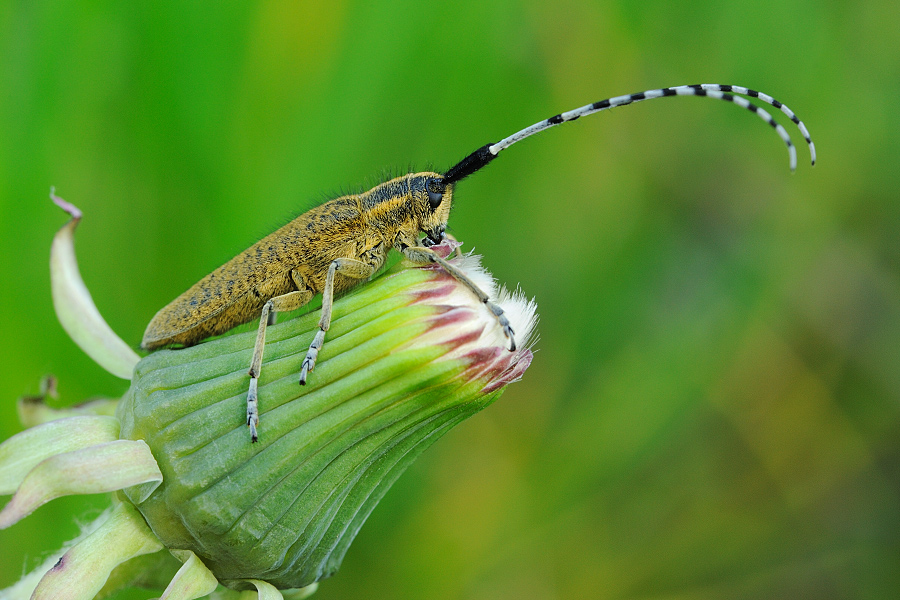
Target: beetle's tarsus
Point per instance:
(253, 408)
(304, 372)
(508, 331)
(512, 340)
(309, 363)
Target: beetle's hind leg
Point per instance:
(350, 267)
(285, 302)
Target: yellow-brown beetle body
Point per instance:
(326, 250)
(360, 226)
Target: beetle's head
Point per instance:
(432, 197)
(432, 193)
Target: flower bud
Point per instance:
(407, 357)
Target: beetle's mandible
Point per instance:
(341, 243)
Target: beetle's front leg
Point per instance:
(423, 255)
(350, 267)
(457, 253)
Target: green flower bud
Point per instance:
(412, 354)
(408, 356)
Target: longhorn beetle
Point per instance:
(341, 243)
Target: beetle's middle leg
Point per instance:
(285, 302)
(350, 267)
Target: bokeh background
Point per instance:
(714, 406)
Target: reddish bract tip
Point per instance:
(70, 208)
(433, 293)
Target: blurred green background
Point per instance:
(714, 406)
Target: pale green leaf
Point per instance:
(101, 468)
(75, 307)
(193, 579)
(23, 451)
(84, 568)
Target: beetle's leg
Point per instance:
(345, 266)
(285, 302)
(422, 255)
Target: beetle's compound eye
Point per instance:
(435, 188)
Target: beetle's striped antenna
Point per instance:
(488, 152)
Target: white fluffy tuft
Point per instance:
(521, 312)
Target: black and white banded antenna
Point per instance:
(488, 152)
